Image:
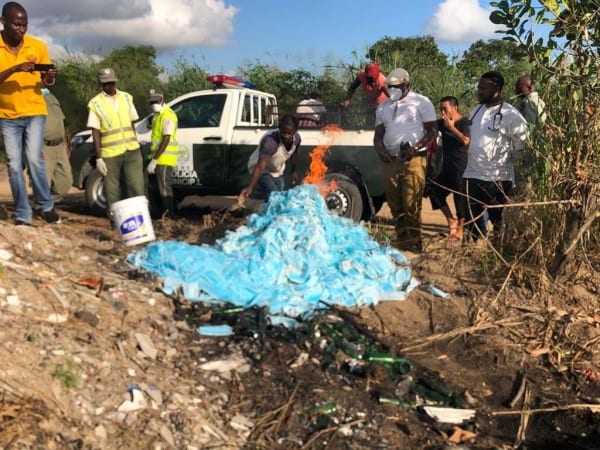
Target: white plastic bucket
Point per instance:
(132, 218)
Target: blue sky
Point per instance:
(222, 35)
(308, 32)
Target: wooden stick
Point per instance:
(592, 407)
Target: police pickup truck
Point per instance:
(218, 130)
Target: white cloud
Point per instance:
(460, 21)
(100, 26)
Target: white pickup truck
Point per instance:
(218, 130)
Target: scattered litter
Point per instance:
(449, 415)
(384, 400)
(437, 292)
(287, 322)
(5, 255)
(57, 318)
(96, 283)
(64, 303)
(590, 374)
(459, 436)
(290, 256)
(137, 401)
(225, 365)
(215, 330)
(327, 408)
(146, 345)
(302, 358)
(152, 392)
(13, 300)
(241, 423)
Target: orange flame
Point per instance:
(318, 169)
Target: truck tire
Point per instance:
(94, 192)
(346, 200)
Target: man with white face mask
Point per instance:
(111, 116)
(163, 149)
(405, 124)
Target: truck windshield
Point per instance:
(200, 111)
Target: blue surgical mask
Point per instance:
(45, 91)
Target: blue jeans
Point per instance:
(268, 183)
(24, 136)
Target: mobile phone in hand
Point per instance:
(43, 67)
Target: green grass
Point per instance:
(66, 376)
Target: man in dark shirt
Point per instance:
(267, 163)
(56, 148)
(456, 133)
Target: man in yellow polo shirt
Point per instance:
(118, 154)
(23, 112)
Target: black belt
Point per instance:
(53, 142)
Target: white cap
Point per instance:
(397, 76)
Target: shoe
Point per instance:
(23, 222)
(50, 216)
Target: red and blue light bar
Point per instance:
(229, 81)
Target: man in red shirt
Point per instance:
(372, 82)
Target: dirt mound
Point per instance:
(94, 356)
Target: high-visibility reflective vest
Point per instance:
(169, 156)
(116, 133)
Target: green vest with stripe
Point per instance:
(169, 155)
(116, 133)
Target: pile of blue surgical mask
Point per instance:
(293, 257)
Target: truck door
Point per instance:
(203, 139)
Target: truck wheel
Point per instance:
(346, 200)
(94, 192)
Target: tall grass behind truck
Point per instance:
(219, 128)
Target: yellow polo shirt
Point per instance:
(20, 93)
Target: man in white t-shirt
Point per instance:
(405, 124)
(498, 136)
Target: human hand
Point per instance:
(101, 166)
(384, 155)
(448, 121)
(49, 76)
(24, 67)
(406, 154)
(151, 167)
(245, 193)
(345, 103)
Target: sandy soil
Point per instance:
(82, 331)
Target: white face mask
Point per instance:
(157, 107)
(395, 94)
